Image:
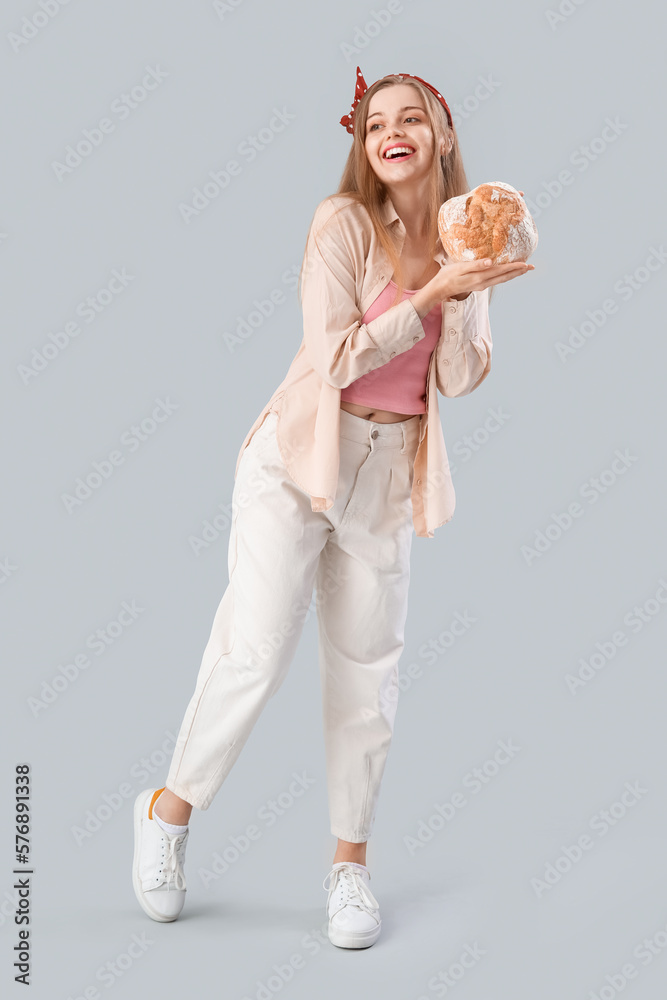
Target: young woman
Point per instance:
(345, 460)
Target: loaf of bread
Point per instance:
(492, 221)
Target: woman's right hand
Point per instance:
(457, 280)
(475, 275)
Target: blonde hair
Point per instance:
(447, 176)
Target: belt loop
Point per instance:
(405, 438)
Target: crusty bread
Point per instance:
(492, 221)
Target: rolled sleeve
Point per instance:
(463, 358)
(339, 346)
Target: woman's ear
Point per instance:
(446, 146)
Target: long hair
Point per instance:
(447, 178)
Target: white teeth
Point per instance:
(397, 149)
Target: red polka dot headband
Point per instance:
(348, 120)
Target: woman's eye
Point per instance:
(409, 118)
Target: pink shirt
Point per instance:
(400, 384)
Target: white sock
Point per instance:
(169, 827)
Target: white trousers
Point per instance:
(357, 557)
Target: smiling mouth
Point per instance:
(400, 153)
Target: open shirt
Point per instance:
(340, 278)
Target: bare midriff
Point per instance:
(389, 416)
(379, 416)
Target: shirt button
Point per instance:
(393, 354)
(452, 309)
(374, 432)
(415, 339)
(419, 482)
(445, 361)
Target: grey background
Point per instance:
(67, 574)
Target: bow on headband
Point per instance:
(348, 120)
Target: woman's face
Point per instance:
(397, 118)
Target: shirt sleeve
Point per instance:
(463, 358)
(339, 346)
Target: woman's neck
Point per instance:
(409, 204)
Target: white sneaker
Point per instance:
(157, 867)
(352, 909)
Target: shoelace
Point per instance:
(171, 869)
(356, 892)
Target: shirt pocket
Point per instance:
(263, 438)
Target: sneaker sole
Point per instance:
(139, 808)
(358, 939)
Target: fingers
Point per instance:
(486, 264)
(515, 265)
(507, 276)
(498, 274)
(477, 275)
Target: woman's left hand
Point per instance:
(460, 298)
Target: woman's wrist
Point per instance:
(424, 300)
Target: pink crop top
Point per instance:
(400, 384)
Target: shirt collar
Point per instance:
(390, 216)
(389, 213)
